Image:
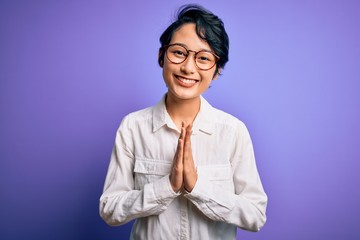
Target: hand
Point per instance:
(183, 173)
(176, 174)
(189, 169)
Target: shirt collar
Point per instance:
(159, 115)
(203, 122)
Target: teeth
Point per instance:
(184, 80)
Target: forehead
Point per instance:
(187, 36)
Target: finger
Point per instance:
(177, 164)
(189, 129)
(181, 140)
(183, 131)
(187, 144)
(187, 149)
(180, 152)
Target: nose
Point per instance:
(189, 66)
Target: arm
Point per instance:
(120, 202)
(247, 205)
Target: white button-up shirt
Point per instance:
(228, 191)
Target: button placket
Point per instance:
(184, 220)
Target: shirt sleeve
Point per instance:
(120, 202)
(246, 206)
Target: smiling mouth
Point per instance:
(186, 82)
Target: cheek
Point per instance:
(165, 69)
(168, 69)
(212, 74)
(208, 77)
(166, 73)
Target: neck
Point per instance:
(182, 110)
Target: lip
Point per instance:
(186, 82)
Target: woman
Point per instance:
(183, 169)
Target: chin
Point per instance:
(186, 96)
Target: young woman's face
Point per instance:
(186, 81)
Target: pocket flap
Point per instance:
(216, 172)
(150, 166)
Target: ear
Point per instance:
(216, 74)
(161, 57)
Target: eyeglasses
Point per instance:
(204, 60)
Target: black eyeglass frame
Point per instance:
(217, 58)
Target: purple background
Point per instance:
(70, 70)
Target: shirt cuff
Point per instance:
(201, 184)
(163, 190)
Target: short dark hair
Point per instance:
(209, 27)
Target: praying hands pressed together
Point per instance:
(183, 173)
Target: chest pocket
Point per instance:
(220, 175)
(149, 170)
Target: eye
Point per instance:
(203, 58)
(178, 52)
